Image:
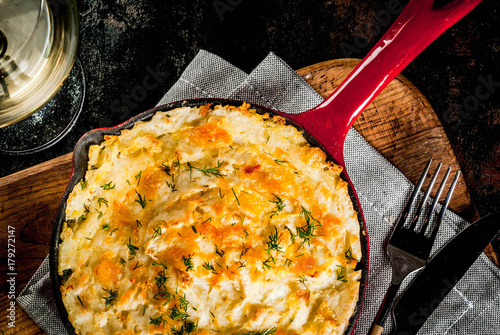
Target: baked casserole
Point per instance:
(210, 220)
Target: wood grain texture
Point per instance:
(28, 202)
(400, 124)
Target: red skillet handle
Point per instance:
(416, 27)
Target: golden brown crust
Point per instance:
(210, 220)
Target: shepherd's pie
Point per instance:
(210, 220)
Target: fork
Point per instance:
(410, 245)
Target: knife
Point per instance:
(441, 274)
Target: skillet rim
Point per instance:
(96, 136)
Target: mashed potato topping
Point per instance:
(210, 220)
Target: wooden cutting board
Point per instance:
(400, 124)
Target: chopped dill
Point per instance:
(132, 248)
(188, 262)
(80, 301)
(183, 303)
(303, 280)
(306, 233)
(108, 186)
(141, 201)
(160, 284)
(279, 205)
(209, 267)
(273, 243)
(210, 171)
(267, 263)
(111, 298)
(237, 200)
(349, 256)
(219, 252)
(242, 265)
(166, 169)
(157, 321)
(137, 265)
(101, 201)
(177, 164)
(162, 264)
(66, 273)
(138, 177)
(157, 232)
(84, 184)
(341, 273)
(207, 220)
(176, 314)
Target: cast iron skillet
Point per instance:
(324, 126)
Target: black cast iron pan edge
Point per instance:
(96, 136)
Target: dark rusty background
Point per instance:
(123, 40)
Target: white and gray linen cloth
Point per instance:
(472, 307)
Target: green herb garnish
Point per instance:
(306, 233)
(157, 232)
(341, 273)
(349, 256)
(141, 200)
(138, 177)
(210, 171)
(209, 267)
(157, 321)
(273, 243)
(183, 303)
(267, 263)
(219, 252)
(303, 280)
(111, 298)
(132, 248)
(80, 300)
(108, 186)
(66, 273)
(188, 262)
(137, 265)
(237, 200)
(101, 201)
(279, 205)
(176, 314)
